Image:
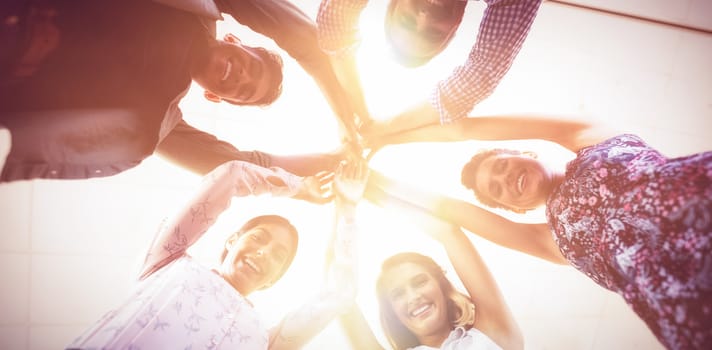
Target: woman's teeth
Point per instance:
(252, 265)
(420, 310)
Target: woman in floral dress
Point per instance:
(635, 221)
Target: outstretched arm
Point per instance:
(492, 315)
(358, 331)
(503, 29)
(201, 152)
(232, 179)
(294, 32)
(339, 290)
(532, 239)
(338, 33)
(571, 133)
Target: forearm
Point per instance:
(492, 128)
(419, 116)
(347, 73)
(532, 239)
(502, 32)
(201, 152)
(357, 330)
(493, 313)
(344, 103)
(336, 295)
(214, 195)
(428, 133)
(338, 36)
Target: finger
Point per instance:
(357, 166)
(326, 178)
(363, 170)
(325, 199)
(343, 172)
(326, 192)
(321, 195)
(324, 173)
(372, 152)
(340, 168)
(348, 170)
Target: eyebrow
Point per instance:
(411, 280)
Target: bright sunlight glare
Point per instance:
(83, 241)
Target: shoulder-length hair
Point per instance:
(460, 309)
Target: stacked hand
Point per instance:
(372, 138)
(348, 185)
(350, 181)
(316, 189)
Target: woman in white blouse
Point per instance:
(182, 304)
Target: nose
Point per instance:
(259, 252)
(242, 74)
(412, 295)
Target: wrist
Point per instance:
(346, 206)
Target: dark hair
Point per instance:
(268, 219)
(469, 172)
(460, 308)
(404, 57)
(274, 65)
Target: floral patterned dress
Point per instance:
(640, 224)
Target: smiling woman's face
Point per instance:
(258, 257)
(417, 299)
(515, 181)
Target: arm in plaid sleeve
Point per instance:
(503, 29)
(337, 25)
(502, 32)
(337, 30)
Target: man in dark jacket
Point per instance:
(92, 88)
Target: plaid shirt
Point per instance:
(337, 25)
(503, 28)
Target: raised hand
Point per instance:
(316, 189)
(350, 180)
